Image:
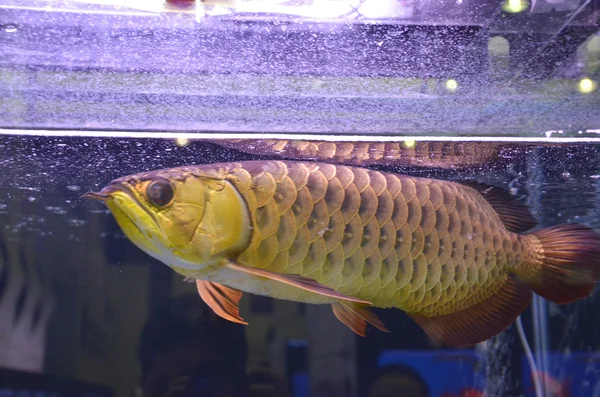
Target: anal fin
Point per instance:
(223, 300)
(515, 216)
(356, 317)
(481, 321)
(295, 280)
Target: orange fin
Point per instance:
(296, 281)
(480, 322)
(223, 300)
(356, 317)
(515, 216)
(571, 263)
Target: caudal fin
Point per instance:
(571, 263)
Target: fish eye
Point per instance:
(160, 193)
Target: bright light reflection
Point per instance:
(515, 6)
(409, 143)
(182, 142)
(587, 86)
(451, 85)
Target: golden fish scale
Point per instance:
(424, 246)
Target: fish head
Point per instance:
(186, 221)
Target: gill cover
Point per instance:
(225, 225)
(202, 219)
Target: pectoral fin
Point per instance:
(356, 317)
(295, 280)
(223, 300)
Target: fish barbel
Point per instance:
(456, 257)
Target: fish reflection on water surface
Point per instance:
(458, 258)
(439, 155)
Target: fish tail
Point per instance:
(570, 265)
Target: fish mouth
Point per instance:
(124, 213)
(108, 193)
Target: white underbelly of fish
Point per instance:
(261, 286)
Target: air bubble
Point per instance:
(76, 222)
(56, 210)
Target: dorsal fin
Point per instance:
(515, 216)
